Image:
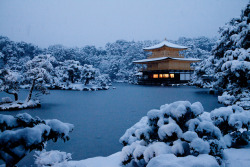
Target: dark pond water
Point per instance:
(101, 118)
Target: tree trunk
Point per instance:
(13, 93)
(10, 158)
(87, 81)
(31, 90)
(16, 96)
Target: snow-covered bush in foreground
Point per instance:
(234, 124)
(22, 133)
(179, 128)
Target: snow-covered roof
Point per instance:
(167, 44)
(149, 60)
(186, 59)
(165, 58)
(139, 74)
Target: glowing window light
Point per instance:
(155, 75)
(171, 75)
(165, 75)
(160, 76)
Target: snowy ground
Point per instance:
(232, 158)
(237, 157)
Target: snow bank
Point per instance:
(232, 158)
(61, 159)
(237, 157)
(170, 160)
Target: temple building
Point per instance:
(165, 65)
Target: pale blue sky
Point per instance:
(96, 22)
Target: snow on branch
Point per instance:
(22, 133)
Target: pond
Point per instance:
(101, 117)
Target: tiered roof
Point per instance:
(165, 58)
(167, 44)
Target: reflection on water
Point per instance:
(101, 117)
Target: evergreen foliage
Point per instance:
(228, 69)
(22, 133)
(179, 128)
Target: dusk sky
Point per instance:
(96, 22)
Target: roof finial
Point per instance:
(165, 39)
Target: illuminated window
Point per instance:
(160, 76)
(171, 75)
(155, 75)
(165, 75)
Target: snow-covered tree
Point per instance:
(38, 72)
(89, 73)
(199, 47)
(179, 128)
(23, 133)
(69, 71)
(10, 82)
(230, 61)
(16, 50)
(72, 72)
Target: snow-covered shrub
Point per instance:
(51, 158)
(234, 123)
(179, 128)
(22, 133)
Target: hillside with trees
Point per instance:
(115, 59)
